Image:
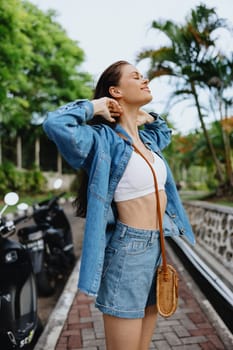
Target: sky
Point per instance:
(111, 30)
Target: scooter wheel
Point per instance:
(45, 285)
(72, 259)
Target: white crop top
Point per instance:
(137, 179)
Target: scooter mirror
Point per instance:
(11, 198)
(22, 206)
(57, 184)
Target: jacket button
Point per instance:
(182, 230)
(173, 216)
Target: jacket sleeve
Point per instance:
(157, 131)
(67, 128)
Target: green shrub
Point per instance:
(22, 181)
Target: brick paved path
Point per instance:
(189, 328)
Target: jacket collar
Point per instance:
(119, 130)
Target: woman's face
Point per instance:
(133, 87)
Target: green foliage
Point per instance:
(22, 181)
(191, 54)
(201, 73)
(35, 181)
(39, 64)
(191, 161)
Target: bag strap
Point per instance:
(162, 241)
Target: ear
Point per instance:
(114, 92)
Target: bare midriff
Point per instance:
(142, 212)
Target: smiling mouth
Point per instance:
(146, 89)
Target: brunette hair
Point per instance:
(110, 77)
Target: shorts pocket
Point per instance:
(108, 258)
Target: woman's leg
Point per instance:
(122, 333)
(148, 326)
(130, 334)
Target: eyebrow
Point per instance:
(137, 73)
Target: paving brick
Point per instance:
(82, 307)
(95, 342)
(100, 335)
(74, 341)
(205, 325)
(162, 345)
(172, 338)
(181, 331)
(202, 331)
(73, 310)
(186, 310)
(188, 329)
(157, 336)
(88, 333)
(187, 347)
(85, 325)
(194, 340)
(73, 319)
(207, 346)
(72, 326)
(168, 323)
(62, 341)
(188, 324)
(196, 317)
(85, 319)
(85, 312)
(163, 329)
(214, 339)
(67, 333)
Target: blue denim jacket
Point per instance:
(104, 155)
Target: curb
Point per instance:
(222, 330)
(53, 328)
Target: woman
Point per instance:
(121, 248)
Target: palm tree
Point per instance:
(221, 82)
(191, 46)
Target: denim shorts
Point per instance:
(129, 272)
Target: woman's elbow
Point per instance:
(50, 125)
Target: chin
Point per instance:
(148, 99)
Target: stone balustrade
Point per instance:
(213, 228)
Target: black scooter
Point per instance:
(50, 243)
(20, 325)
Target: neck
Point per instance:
(129, 122)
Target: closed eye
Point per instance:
(137, 75)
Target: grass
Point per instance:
(193, 195)
(229, 204)
(30, 200)
(185, 195)
(221, 201)
(205, 196)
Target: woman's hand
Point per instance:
(143, 118)
(108, 108)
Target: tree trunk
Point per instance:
(19, 152)
(0, 151)
(59, 163)
(219, 172)
(37, 152)
(227, 148)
